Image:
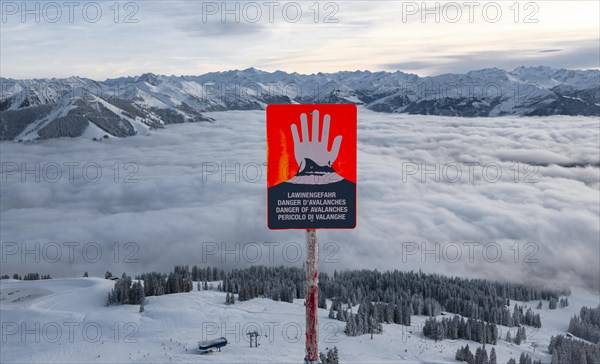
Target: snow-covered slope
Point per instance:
(43, 109)
(29, 106)
(65, 321)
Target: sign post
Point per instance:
(311, 184)
(312, 297)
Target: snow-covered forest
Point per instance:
(481, 306)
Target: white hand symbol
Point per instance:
(315, 148)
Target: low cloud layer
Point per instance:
(540, 224)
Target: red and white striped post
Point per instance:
(312, 297)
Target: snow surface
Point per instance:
(60, 323)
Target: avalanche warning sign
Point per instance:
(311, 158)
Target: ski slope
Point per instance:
(65, 321)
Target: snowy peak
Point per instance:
(149, 78)
(551, 77)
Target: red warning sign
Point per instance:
(311, 158)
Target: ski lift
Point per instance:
(206, 347)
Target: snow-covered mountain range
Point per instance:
(72, 107)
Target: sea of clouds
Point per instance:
(188, 194)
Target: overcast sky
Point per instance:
(190, 37)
